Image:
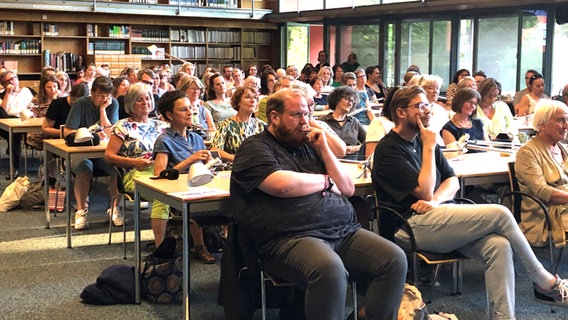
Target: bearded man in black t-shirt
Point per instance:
(291, 193)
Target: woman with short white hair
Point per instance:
(541, 171)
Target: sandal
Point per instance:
(202, 254)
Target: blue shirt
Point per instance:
(177, 147)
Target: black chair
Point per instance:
(517, 196)
(242, 291)
(388, 217)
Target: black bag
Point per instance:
(34, 197)
(162, 274)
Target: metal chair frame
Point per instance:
(517, 196)
(266, 277)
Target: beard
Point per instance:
(292, 137)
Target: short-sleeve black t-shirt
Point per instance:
(58, 111)
(396, 167)
(267, 218)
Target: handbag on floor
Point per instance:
(161, 274)
(13, 194)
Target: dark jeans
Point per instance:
(16, 142)
(323, 268)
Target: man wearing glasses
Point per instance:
(14, 101)
(291, 193)
(411, 175)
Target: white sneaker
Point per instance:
(81, 221)
(116, 216)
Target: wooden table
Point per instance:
(59, 148)
(16, 125)
(176, 194)
(481, 168)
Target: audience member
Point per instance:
(337, 75)
(375, 83)
(131, 144)
(522, 93)
(14, 100)
(347, 127)
(291, 198)
(541, 171)
(65, 84)
(192, 87)
(362, 109)
(322, 61)
(536, 92)
(495, 114)
(380, 126)
(464, 105)
(100, 109)
(218, 103)
(232, 131)
(351, 64)
(292, 71)
(453, 86)
(120, 85)
(411, 175)
(479, 76)
(178, 148)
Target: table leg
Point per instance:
(11, 148)
(185, 261)
(462, 187)
(46, 190)
(136, 245)
(68, 197)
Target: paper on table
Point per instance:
(198, 193)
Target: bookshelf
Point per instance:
(30, 41)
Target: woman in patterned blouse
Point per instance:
(232, 131)
(132, 140)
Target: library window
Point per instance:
(363, 40)
(415, 45)
(497, 50)
(533, 43)
(559, 75)
(441, 48)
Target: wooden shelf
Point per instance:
(205, 42)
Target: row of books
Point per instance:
(65, 61)
(151, 35)
(223, 36)
(106, 47)
(7, 28)
(50, 29)
(255, 37)
(232, 53)
(187, 35)
(249, 53)
(189, 52)
(25, 46)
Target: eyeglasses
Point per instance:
(299, 115)
(422, 106)
(8, 80)
(150, 83)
